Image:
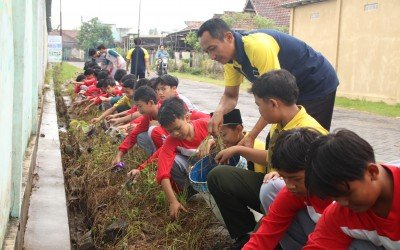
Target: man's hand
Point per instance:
(133, 174)
(273, 175)
(247, 141)
(108, 117)
(174, 209)
(215, 123)
(148, 73)
(224, 155)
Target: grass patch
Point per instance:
(379, 108)
(62, 72)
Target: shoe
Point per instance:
(240, 242)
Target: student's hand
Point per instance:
(174, 209)
(102, 98)
(215, 123)
(113, 121)
(224, 155)
(273, 175)
(154, 123)
(116, 159)
(95, 120)
(205, 148)
(148, 73)
(108, 117)
(133, 174)
(85, 110)
(247, 141)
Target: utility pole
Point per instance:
(60, 20)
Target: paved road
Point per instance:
(382, 133)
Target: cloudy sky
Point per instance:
(165, 15)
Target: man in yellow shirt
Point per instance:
(233, 189)
(255, 53)
(138, 58)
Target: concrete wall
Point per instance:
(361, 39)
(23, 42)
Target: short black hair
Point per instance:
(101, 46)
(109, 81)
(128, 77)
(92, 52)
(88, 72)
(101, 75)
(216, 27)
(145, 94)
(119, 73)
(142, 82)
(335, 160)
(279, 84)
(171, 109)
(80, 78)
(137, 41)
(154, 82)
(168, 80)
(291, 148)
(129, 83)
(89, 64)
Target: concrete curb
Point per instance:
(47, 226)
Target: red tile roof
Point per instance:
(270, 9)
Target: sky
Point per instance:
(165, 15)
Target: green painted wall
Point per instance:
(23, 48)
(6, 112)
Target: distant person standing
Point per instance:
(117, 61)
(138, 58)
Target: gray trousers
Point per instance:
(144, 141)
(297, 234)
(180, 171)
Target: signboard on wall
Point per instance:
(54, 48)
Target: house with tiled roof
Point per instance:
(270, 9)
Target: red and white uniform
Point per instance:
(282, 212)
(339, 225)
(173, 146)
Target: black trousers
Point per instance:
(234, 190)
(321, 109)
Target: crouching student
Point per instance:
(236, 190)
(184, 138)
(292, 215)
(146, 102)
(232, 132)
(122, 104)
(366, 214)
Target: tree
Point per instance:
(258, 21)
(94, 33)
(192, 40)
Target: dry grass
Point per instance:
(123, 216)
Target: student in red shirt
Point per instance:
(87, 82)
(366, 214)
(146, 101)
(185, 137)
(293, 213)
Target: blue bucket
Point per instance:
(198, 174)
